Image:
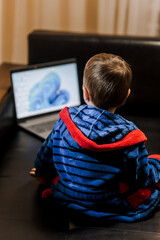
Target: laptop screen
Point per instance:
(45, 89)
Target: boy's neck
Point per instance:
(112, 110)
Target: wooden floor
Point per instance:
(5, 82)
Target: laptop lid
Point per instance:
(45, 88)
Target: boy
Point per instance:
(102, 165)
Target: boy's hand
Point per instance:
(42, 180)
(33, 172)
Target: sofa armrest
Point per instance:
(8, 122)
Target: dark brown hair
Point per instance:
(108, 78)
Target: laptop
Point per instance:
(41, 91)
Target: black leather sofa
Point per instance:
(23, 214)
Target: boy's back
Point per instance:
(103, 166)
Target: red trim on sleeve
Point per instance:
(157, 156)
(55, 180)
(47, 192)
(136, 198)
(132, 138)
(139, 197)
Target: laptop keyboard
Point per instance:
(43, 127)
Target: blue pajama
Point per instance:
(104, 167)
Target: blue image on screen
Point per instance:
(47, 93)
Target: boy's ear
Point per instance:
(86, 94)
(129, 92)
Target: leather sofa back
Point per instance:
(143, 55)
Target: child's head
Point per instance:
(107, 79)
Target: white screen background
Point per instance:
(24, 81)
